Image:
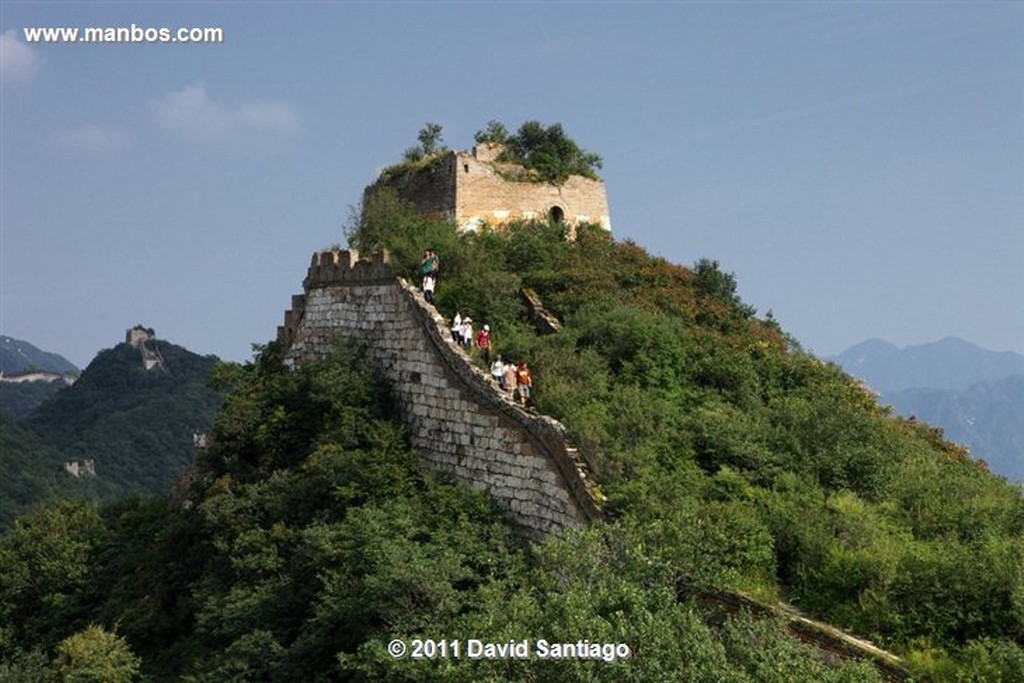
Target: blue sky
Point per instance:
(859, 166)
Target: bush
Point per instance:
(95, 656)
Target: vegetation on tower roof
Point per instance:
(547, 151)
(546, 154)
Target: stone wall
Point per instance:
(429, 190)
(485, 194)
(457, 418)
(471, 188)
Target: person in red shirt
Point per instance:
(483, 343)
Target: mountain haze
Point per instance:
(976, 396)
(950, 363)
(17, 357)
(20, 395)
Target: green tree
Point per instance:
(44, 571)
(95, 656)
(430, 137)
(548, 151)
(430, 143)
(494, 133)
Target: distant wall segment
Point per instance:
(457, 418)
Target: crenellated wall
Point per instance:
(457, 417)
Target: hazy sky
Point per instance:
(859, 166)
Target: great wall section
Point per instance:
(457, 418)
(461, 423)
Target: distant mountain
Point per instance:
(28, 376)
(950, 363)
(976, 396)
(988, 417)
(135, 425)
(18, 357)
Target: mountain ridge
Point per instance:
(18, 356)
(949, 363)
(975, 395)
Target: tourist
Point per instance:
(430, 264)
(483, 343)
(509, 375)
(524, 380)
(457, 328)
(428, 288)
(467, 332)
(498, 372)
(428, 270)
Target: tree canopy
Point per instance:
(548, 151)
(731, 459)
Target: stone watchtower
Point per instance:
(144, 339)
(472, 188)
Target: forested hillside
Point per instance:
(730, 459)
(33, 472)
(137, 424)
(18, 399)
(976, 396)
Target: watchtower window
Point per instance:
(556, 214)
(465, 168)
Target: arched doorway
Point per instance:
(556, 214)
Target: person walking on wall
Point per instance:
(483, 343)
(457, 328)
(428, 288)
(428, 269)
(498, 372)
(524, 381)
(509, 376)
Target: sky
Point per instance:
(858, 166)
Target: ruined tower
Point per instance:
(473, 188)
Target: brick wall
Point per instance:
(457, 418)
(471, 188)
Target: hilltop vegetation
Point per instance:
(730, 459)
(736, 457)
(546, 154)
(315, 536)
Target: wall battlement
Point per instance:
(345, 266)
(457, 418)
